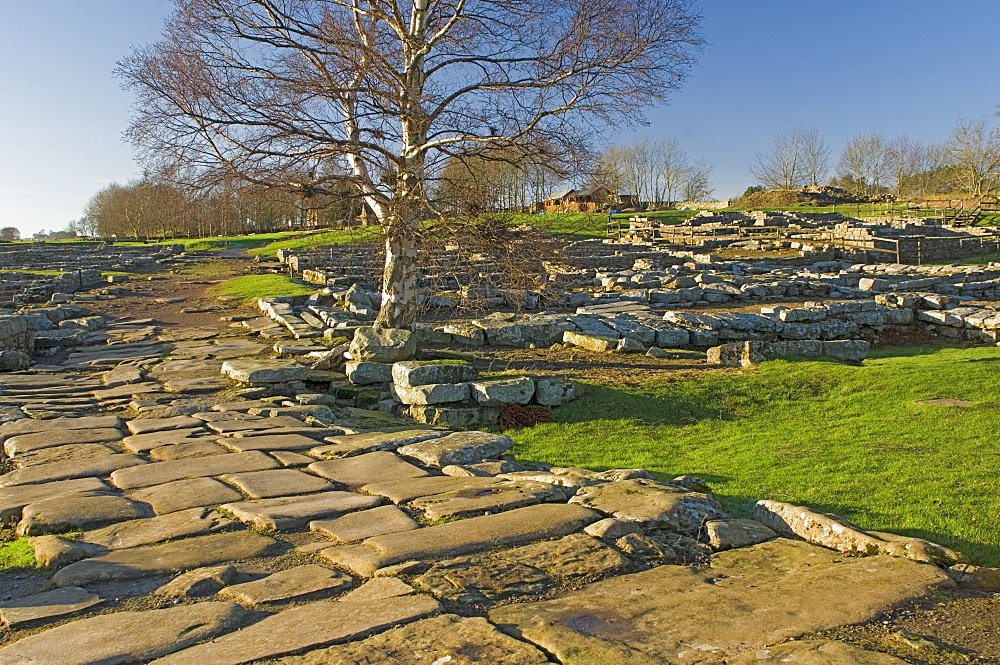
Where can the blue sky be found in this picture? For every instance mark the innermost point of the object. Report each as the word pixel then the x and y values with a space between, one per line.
pixel 892 66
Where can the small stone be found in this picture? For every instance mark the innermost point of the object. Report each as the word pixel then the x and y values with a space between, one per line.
pixel 290 584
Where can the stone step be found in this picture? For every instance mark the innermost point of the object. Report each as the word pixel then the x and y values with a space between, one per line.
pixel 515 527
pixel 166 558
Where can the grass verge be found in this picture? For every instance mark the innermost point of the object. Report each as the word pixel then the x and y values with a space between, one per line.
pixel 16 554
pixel 250 287
pixel 332 237
pixel 839 438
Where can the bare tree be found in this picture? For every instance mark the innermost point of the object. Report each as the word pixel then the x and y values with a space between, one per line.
pixel 794 159
pixel 656 170
pixel 390 89
pixel 865 165
pixel 972 156
pixel 696 185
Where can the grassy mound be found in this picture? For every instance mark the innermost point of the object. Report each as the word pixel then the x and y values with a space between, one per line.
pixel 842 439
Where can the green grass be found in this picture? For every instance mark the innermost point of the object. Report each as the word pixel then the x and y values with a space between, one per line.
pixel 332 237
pixel 250 287
pixel 17 554
pixel 839 438
pixel 971 261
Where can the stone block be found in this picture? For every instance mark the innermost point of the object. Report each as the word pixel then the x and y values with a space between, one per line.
pixel 367 373
pixel 440 393
pixel 493 392
pixel 412 373
pixel 382 345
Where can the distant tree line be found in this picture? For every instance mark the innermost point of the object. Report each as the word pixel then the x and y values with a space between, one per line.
pixel 874 165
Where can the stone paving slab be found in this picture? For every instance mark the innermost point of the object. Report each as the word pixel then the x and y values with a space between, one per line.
pixel 199 582
pixel 297 511
pixel 356 444
pixel 23 443
pixel 98 640
pixel 291 584
pixel 685 615
pixel 445 639
pixel 814 652
pixel 28 426
pixel 159 473
pixel 14 499
pixel 276 442
pixel 378 588
pixel 366 469
pixel 502 495
pixel 148 531
pixel 529 570
pixel 291 459
pixel 103 465
pixel 313 625
pixel 277 482
pixel 401 491
pixel 66 454
pixel 365 524
pixel 182 494
pixel 74 512
pixel 317 433
pixel 458 448
pixel 148 425
pixel 652 503
pixel 197 448
pixel 46 605
pixel 474 534
pixel 166 558
pixel 143 443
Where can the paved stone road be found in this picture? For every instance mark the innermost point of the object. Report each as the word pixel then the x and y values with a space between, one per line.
pixel 181 529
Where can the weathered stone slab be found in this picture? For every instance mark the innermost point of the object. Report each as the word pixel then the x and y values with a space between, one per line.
pixel 265 442
pixel 139 532
pixel 651 502
pixel 357 444
pixel 147 425
pixel 276 370
pixel 408 489
pixel 159 473
pixel 731 534
pixel 317 433
pixel 143 443
pixel 459 448
pixel 412 373
pixel 93 466
pixel 73 512
pixel 501 495
pixel 14 499
pixel 505 390
pixel 839 534
pixel 378 588
pixel 442 639
pixel 183 494
pixel 29 426
pixel 277 482
pixel 437 393
pixel 47 605
pixel 528 570
pixel 683 615
pixel 365 469
pixel 290 459
pixel 23 443
pixel 290 584
pixel 67 453
pixel 514 527
pixel 295 511
pixel 197 448
pixel 815 652
pixel 100 639
pixel 365 524
pixel 199 582
pixel 308 626
pixel 166 558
